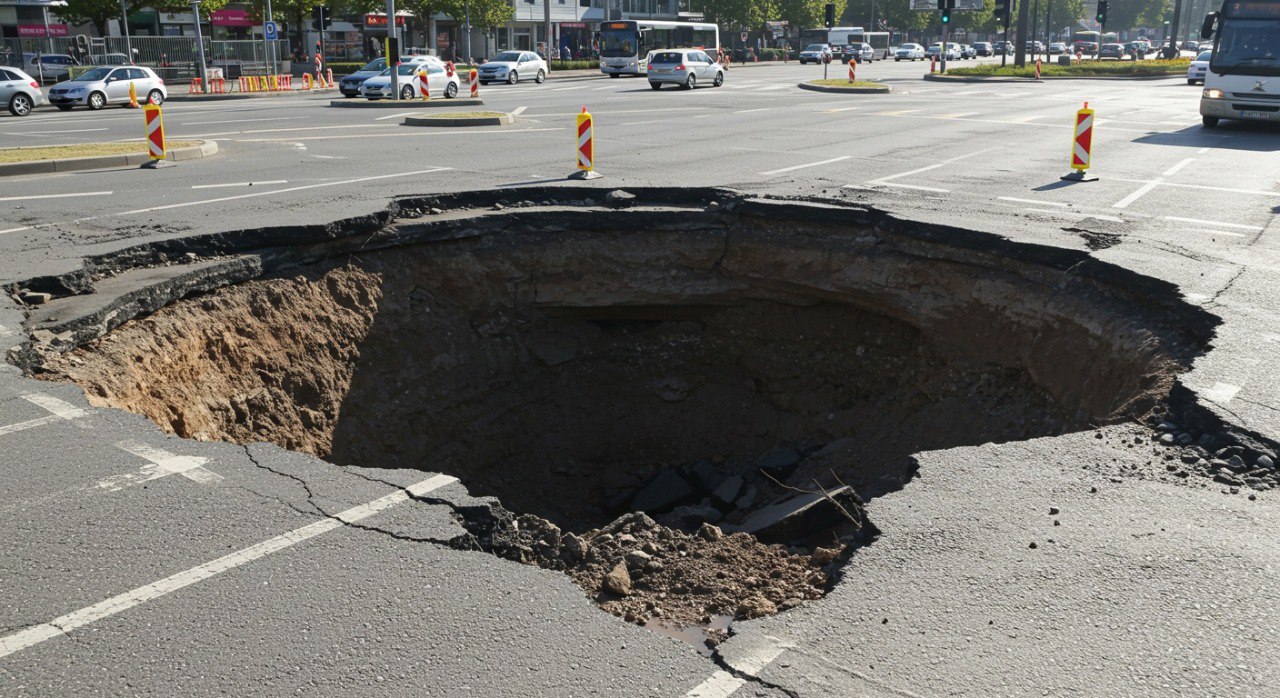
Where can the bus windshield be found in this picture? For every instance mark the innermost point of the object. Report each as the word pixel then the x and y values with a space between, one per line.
pixel 618 43
pixel 1250 46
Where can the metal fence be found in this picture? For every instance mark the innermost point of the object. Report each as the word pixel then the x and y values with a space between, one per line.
pixel 171 56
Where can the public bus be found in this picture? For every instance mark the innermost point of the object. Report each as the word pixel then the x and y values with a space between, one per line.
pixel 1243 79
pixel 835 36
pixel 880 42
pixel 625 45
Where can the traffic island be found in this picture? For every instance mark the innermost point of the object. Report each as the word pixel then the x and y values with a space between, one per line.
pixel 433 103
pixel 467 118
pixel 94 156
pixel 1077 70
pixel 844 86
pixel 680 398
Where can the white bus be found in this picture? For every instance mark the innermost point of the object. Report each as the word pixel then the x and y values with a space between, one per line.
pixel 880 42
pixel 1243 80
pixel 625 45
pixel 835 36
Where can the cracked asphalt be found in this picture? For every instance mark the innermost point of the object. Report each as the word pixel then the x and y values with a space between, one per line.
pixel 202 568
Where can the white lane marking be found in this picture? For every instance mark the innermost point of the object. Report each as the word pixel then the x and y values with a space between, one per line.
pixel 1030 201
pixel 329 157
pixel 239 184
pixel 917 187
pixel 770 88
pixel 748 111
pixel 117 604
pixel 1025 119
pixel 1256 192
pixel 1219 224
pixel 638 123
pixel 564 89
pixel 395 116
pixel 934 166
pixel 897 113
pixel 400 134
pixel 1141 192
pixel 287 130
pixel 518 111
pixel 1174 170
pixel 15 230
pixel 836 111
pixel 606 87
pixel 801 167
pixel 70 130
pixel 240 121
pixel 1220 232
pixel 1221 393
pixel 1202 151
pixel 721 684
pixel 160 464
pixel 56 196
pixel 958 115
pixel 58 409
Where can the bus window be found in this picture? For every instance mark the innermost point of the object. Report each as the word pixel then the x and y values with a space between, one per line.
pixel 618 43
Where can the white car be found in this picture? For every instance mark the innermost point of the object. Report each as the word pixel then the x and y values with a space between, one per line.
pixel 98 87
pixel 379 86
pixel 909 52
pixel 19 91
pixel 511 66
pixel 1198 68
pixel 815 53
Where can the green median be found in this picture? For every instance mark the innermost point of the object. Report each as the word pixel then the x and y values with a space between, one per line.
pixel 451 115
pixel 844 82
pixel 1084 68
pixel 81 150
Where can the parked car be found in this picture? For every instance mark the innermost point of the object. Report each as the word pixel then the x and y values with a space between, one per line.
pixel 48 67
pixel 1111 51
pixel 110 59
pixel 1205 46
pixel 1035 47
pixel 815 53
pixel 909 52
pixel 686 67
pixel 1196 71
pixel 1087 48
pixel 935 49
pixel 984 48
pixel 99 87
pixel 1003 47
pixel 862 53
pixel 511 65
pixel 968 51
pixel 19 91
pixel 379 86
pixel 1057 47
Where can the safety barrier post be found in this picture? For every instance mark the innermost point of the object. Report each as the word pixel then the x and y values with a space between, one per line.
pixel 194 87
pixel 1082 147
pixel 1037 68
pixel 155 137
pixel 424 86
pixel 306 81
pixel 586 148
pixel 329 76
pixel 852 72
pixel 475 83
pixel 933 64
pixel 133 95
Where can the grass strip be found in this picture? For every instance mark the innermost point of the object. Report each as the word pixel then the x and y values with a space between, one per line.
pixel 1085 68
pixel 844 82
pixel 82 150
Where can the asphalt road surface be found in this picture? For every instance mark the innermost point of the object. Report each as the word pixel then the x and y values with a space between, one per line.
pixel 205 568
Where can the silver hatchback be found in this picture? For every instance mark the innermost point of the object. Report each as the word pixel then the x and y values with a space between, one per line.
pixel 99 87
pixel 685 67
pixel 19 91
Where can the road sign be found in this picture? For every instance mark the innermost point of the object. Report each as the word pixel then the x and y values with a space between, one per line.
pixel 270 31
pixel 743 35
pixel 932 5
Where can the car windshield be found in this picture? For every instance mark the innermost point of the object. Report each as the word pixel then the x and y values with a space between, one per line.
pixel 1250 46
pixel 94 75
pixel 507 57
pixel 409 68
pixel 814 47
pixel 1204 56
pixel 379 64
pixel 618 43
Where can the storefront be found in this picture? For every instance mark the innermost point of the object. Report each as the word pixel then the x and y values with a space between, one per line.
pixel 575 40
pixel 232 24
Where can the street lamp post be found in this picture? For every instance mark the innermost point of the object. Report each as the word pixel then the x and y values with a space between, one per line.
pixel 466 37
pixel 124 23
pixel 195 11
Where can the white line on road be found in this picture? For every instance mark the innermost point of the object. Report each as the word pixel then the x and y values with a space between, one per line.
pixel 160 464
pixel 748 111
pixel 70 130
pixel 926 168
pixel 395 116
pixel 1221 393
pixel 836 111
pixel 1220 232
pixel 241 121
pixel 1230 190
pixel 1202 151
pixel 801 167
pixel 1025 119
pixel 59 410
pixel 722 684
pixel 56 196
pixel 149 592
pixel 1030 201
pixel 518 111
pixel 917 187
pixel 1219 224
pixel 1141 192
pixel 239 184
pixel 1174 170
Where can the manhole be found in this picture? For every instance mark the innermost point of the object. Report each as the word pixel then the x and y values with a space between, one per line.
pixel 744 371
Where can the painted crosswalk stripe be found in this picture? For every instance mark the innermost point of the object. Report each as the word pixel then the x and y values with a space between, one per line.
pixel 59 411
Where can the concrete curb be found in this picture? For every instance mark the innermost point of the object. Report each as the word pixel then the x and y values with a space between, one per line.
pixel 361 103
pixel 424 120
pixel 249 95
pixel 846 90
pixel 203 150
pixel 1045 78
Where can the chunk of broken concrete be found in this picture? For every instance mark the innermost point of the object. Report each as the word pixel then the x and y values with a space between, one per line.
pixel 689 517
pixel 803 515
pixel 617 581
pixel 664 492
pixel 728 491
pixel 780 462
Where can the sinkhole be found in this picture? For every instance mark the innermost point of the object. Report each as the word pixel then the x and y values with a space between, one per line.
pixel 745 371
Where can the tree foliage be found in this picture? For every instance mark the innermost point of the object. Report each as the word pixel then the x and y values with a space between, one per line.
pixel 95 12
pixel 733 15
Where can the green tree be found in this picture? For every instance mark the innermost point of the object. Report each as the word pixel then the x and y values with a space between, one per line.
pixel 809 14
pixel 94 12
pixel 733 15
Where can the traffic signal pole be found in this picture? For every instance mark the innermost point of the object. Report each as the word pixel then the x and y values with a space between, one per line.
pixel 1004 55
pixel 1020 43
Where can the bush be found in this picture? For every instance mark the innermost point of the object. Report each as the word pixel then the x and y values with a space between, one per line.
pixel 339 67
pixel 575 65
pixel 1085 67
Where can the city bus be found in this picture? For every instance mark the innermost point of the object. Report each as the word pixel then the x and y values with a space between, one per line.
pixel 835 36
pixel 1243 79
pixel 880 42
pixel 625 45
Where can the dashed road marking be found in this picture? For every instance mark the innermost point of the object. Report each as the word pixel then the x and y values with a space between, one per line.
pixel 722 684
pixel 1220 232
pixel 1219 224
pixel 801 167
pixel 160 464
pixel 56 196
pixel 1138 194
pixel 1174 170
pixel 239 184
pixel 748 111
pixel 1031 201
pixel 518 111
pixel 59 410
pixel 1221 393
pixel 63 625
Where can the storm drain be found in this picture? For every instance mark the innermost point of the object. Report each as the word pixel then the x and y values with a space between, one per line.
pixel 687 399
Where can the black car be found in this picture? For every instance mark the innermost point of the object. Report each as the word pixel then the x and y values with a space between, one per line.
pixel 1111 51
pixel 984 48
pixel 1005 47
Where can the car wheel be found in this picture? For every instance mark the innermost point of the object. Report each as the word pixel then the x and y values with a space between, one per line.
pixel 97 100
pixel 719 79
pixel 484 82
pixel 614 75
pixel 63 107
pixel 451 90
pixel 691 83
pixel 1209 121
pixel 897 60
pixel 656 85
pixel 512 78
pixel 541 78
pixel 155 97
pixel 407 92
pixel 20 105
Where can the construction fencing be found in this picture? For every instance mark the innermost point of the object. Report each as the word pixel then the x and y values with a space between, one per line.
pixel 173 57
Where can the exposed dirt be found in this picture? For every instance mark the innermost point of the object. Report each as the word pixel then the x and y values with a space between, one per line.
pixel 577 374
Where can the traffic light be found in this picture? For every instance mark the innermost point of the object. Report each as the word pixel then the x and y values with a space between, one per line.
pixel 1102 12
pixel 321 18
pixel 1001 10
pixel 830 14
pixel 946 16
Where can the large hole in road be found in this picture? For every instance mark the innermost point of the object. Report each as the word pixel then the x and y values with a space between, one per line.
pixel 745 373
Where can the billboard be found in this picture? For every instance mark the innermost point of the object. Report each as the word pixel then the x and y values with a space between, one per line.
pixel 932 5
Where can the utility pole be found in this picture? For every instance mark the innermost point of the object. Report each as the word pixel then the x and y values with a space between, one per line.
pixel 195 11
pixel 1048 29
pixel 546 24
pixel 124 24
pixel 393 62
pixel 1020 44
pixel 467 37
pixel 1174 48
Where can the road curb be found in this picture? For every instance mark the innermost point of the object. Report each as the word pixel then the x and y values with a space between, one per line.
pixel 846 90
pixel 98 162
pixel 231 96
pixel 1045 78
pixel 357 103
pixel 424 120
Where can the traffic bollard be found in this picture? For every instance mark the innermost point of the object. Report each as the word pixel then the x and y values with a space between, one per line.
pixel 424 85
pixel 155 137
pixel 475 83
pixel 586 148
pixel 1037 68
pixel 1082 147
pixel 852 74
pixel 933 64
pixel 133 95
